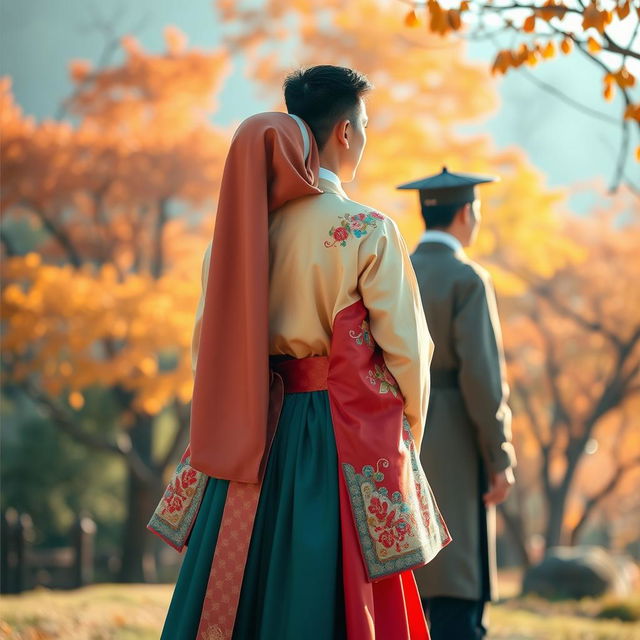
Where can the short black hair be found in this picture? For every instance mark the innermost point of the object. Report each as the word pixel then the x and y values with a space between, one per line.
pixel 440 216
pixel 322 95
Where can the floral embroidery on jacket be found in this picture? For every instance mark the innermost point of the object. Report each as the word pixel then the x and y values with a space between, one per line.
pixel 356 225
pixel 400 531
pixel 387 382
pixel 179 494
pixel 362 335
pixel 176 512
pixel 424 498
pixel 390 520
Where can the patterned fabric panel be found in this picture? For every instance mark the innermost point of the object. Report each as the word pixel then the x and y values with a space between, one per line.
pixel 396 532
pixel 397 523
pixel 177 510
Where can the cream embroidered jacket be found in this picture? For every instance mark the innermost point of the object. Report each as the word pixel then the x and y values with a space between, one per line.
pixel 327 252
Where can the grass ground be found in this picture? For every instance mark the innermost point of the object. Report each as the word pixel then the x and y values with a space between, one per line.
pixel 136 612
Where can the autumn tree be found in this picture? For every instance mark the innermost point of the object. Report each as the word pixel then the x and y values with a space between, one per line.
pixel 104 295
pixel 530 32
pixel 573 345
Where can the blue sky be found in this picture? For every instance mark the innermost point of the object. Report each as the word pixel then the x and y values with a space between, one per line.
pixel 40 37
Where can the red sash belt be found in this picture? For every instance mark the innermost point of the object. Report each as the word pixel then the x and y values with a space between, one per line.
pixel 303 375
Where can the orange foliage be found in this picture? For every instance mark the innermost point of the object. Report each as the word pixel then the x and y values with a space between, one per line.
pixel 559 22
pixel 574 356
pixel 108 296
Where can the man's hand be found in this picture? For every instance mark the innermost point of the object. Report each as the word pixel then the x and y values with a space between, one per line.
pixel 499 488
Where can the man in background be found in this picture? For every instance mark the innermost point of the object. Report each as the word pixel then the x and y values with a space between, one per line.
pixel 466 451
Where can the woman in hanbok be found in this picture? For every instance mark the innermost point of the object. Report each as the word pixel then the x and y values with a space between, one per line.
pixel 301 499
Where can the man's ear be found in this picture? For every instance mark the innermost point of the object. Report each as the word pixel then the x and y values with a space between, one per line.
pixel 344 131
pixel 463 214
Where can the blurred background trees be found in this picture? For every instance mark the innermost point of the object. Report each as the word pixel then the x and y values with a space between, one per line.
pixel 103 233
pixel 107 209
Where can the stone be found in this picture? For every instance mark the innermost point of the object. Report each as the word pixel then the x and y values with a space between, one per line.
pixel 577 572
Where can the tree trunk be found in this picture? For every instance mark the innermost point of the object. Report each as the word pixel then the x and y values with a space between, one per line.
pixel 556 504
pixel 515 528
pixel 138 560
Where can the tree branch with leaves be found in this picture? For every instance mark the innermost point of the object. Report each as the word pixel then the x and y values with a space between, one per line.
pixel 543 29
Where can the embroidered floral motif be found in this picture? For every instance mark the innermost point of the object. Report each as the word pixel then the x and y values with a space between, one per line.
pixel 177 510
pixel 178 495
pixel 423 499
pixel 382 376
pixel 387 522
pixel 356 225
pixel 396 532
pixel 390 521
pixel 363 335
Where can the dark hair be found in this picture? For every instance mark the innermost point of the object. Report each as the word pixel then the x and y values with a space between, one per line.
pixel 322 95
pixel 440 216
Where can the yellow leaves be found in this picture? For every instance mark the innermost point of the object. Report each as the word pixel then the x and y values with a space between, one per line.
pixel 632 112
pixel 623 10
pixel 638 153
pixel 79 70
pixel 551 9
pixel 411 19
pixel 175 40
pixel 608 90
pixel 566 46
pixel 549 50
pixel 441 20
pixel 131 46
pixel 502 62
pixel 158 97
pixel 521 55
pixel 529 25
pixel 593 17
pixel 525 54
pixel 12 295
pixel 65 369
pixel 438 21
pixel 455 21
pixel 593 46
pixel 185 391
pixel 624 78
pixel 152 405
pixel 76 400
pixel 148 366
pixel 87 327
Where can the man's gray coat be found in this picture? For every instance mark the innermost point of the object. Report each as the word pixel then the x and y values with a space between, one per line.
pixel 468 433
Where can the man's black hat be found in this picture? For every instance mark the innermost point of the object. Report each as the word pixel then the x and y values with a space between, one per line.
pixel 447 188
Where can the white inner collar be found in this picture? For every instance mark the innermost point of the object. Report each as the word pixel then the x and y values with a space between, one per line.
pixel 305 135
pixel 442 236
pixel 325 174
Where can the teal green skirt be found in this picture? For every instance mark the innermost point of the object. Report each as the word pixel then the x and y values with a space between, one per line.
pixel 292 586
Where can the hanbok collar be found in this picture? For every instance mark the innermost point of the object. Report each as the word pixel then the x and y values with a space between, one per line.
pixel 326 174
pixel 330 182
